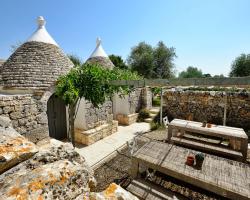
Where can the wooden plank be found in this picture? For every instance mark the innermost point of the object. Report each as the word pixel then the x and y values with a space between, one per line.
pixel 233 81
pixel 148 191
pixel 218 175
pixel 207 147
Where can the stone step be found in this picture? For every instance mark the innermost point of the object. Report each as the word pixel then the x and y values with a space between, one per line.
pixel 152 115
pixel 154 110
pixel 148 120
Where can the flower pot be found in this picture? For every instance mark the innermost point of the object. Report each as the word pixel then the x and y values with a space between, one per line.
pixel 190 160
pixel 209 125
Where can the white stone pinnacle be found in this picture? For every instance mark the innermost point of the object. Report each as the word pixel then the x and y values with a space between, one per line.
pixel 41 34
pixel 99 51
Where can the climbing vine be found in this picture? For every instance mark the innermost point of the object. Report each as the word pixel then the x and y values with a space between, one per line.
pixel 93 83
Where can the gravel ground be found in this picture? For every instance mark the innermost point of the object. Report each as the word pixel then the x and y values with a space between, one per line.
pixel 117 170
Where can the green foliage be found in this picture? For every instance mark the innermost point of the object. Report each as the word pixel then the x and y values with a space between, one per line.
pixel 156 91
pixel 191 72
pixel 156 101
pixel 141 59
pixel 156 125
pixel 219 76
pixel 241 66
pixel 163 61
pixel 206 75
pixel 75 59
pixel 152 62
pixel 143 114
pixel 118 61
pixel 93 83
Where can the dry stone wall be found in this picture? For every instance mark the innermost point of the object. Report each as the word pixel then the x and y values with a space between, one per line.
pixel 27 113
pixel 97 116
pixel 209 106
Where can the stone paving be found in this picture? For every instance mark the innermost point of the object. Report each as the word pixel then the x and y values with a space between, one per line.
pixel 105 148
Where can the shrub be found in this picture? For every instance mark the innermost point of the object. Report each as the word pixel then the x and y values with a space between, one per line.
pixel 143 114
pixel 156 101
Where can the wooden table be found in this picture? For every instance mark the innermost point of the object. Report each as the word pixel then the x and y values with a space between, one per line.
pixel 238 139
pixel 222 176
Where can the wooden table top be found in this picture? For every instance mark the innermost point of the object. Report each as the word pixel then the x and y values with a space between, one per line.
pixel 215 130
pixel 219 175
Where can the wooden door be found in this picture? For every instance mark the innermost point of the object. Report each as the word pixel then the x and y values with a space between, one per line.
pixel 56 111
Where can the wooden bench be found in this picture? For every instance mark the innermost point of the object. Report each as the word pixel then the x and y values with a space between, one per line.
pixel 148 191
pixel 237 138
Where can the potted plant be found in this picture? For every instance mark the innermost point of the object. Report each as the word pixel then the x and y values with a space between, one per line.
pixel 204 123
pixel 199 158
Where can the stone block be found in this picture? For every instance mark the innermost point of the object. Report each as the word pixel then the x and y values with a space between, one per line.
pixel 91 136
pixel 5 122
pixel 14 148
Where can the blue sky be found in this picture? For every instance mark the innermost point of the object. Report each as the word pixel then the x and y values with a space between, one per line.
pixel 207 34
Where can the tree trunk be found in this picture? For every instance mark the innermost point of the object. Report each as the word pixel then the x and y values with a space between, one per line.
pixel 72 109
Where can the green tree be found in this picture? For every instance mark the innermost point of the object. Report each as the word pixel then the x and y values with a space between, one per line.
pixel 163 61
pixel 75 59
pixel 191 72
pixel 92 83
pixel 240 66
pixel 152 62
pixel 207 75
pixel 118 61
pixel 141 59
pixel 219 76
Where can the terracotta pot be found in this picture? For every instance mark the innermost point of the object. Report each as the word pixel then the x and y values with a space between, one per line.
pixel 190 160
pixel 209 125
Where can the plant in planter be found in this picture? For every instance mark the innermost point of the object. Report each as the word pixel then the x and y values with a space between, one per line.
pixel 199 158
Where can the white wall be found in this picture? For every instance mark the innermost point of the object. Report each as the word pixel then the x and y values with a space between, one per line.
pixel 80 121
pixel 120 105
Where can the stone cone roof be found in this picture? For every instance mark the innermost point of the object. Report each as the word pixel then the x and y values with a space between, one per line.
pixel 36 64
pixel 100 57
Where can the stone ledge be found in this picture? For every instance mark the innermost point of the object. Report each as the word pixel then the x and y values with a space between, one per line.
pixel 91 136
pixel 127 119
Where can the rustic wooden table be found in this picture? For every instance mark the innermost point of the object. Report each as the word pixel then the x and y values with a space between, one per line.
pixel 222 176
pixel 238 139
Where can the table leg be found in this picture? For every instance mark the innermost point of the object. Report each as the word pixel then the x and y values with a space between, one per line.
pixel 169 133
pixel 134 168
pixel 244 146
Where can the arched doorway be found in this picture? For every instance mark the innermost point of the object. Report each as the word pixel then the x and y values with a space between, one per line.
pixel 56 111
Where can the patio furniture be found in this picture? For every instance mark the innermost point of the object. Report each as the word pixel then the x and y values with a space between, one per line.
pixel 222 176
pixel 209 139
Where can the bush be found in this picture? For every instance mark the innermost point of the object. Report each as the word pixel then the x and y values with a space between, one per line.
pixel 156 101
pixel 143 114
pixel 154 125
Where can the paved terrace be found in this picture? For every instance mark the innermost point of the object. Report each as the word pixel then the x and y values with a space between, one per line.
pixel 105 149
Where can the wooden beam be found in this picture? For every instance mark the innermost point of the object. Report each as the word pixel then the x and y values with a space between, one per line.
pixel 233 81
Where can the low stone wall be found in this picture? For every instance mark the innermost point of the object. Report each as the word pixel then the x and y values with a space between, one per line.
pixel 127 119
pixel 28 115
pixel 208 106
pixel 91 136
pixel 93 116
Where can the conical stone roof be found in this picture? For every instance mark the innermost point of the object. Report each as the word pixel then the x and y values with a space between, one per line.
pixel 100 57
pixel 36 64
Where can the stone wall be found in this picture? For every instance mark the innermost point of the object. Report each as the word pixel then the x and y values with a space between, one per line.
pixel 27 113
pixel 147 98
pixel 135 100
pixel 95 116
pixel 208 106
